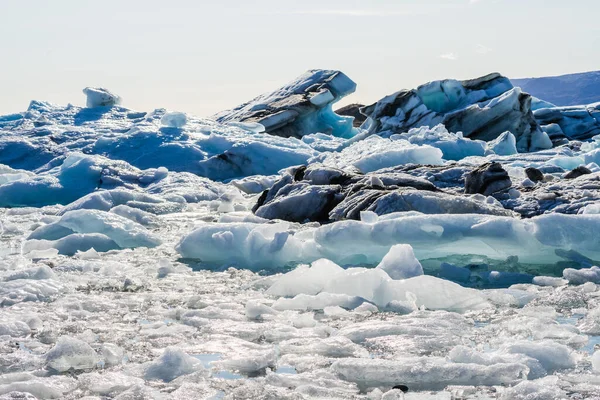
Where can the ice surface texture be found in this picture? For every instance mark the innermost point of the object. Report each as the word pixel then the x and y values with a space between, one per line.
pixel 133 267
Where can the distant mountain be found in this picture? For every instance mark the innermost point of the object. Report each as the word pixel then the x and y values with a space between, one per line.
pixel 565 90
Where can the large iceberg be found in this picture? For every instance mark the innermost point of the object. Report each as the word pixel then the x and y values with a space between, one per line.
pixel 301 107
pixel 481 108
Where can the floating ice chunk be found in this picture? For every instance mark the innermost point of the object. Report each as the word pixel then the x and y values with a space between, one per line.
pixel 552 356
pixel 452 145
pixel 100 97
pixel 581 276
pixel 37 273
pixel 30 390
pixel 335 312
pixel 41 253
pixel 17 329
pixel 306 320
pixel 134 214
pixel 112 354
pixel 70 244
pixel 360 282
pixel 21 290
pixel 549 281
pixel 250 363
pixel 174 119
pixel 540 389
pixel 249 244
pixel 348 242
pixel 596 361
pixel 368 217
pixel 306 280
pixel 124 232
pixel 70 353
pixel 108 383
pixel 334 347
pixel 463 354
pixel 90 254
pixel 425 373
pixel 431 293
pixel 304 302
pixel 504 145
pixel 165 267
pixel 255 310
pixel 110 199
pixel 400 262
pixel 172 364
pixel 375 153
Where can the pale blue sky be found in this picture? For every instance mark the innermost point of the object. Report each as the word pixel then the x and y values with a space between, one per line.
pixel 204 56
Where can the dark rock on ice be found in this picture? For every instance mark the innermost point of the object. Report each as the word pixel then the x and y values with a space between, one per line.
pixel 487 179
pixel 577 172
pixel 534 174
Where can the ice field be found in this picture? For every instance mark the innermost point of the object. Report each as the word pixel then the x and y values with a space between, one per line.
pixel 446 248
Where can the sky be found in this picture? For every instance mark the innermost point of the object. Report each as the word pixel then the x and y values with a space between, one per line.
pixel 202 57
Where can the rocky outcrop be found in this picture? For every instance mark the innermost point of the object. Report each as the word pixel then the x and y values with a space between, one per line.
pixel 301 107
pixel 482 108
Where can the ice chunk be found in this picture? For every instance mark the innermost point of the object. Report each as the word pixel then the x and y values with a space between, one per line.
pixel 360 282
pixel 596 361
pixel 452 145
pixel 432 293
pixel 400 262
pixel 301 107
pixel 375 153
pixel 112 354
pixel 250 363
pixel 172 364
pixel 255 310
pixel 504 145
pixel 70 353
pixel 304 302
pixel 549 281
pixel 541 389
pixel 425 373
pixel 41 272
pixel 246 243
pixel 306 280
pixel 551 355
pixel 581 276
pixel 108 383
pixel 123 232
pixel 100 97
pixel 174 119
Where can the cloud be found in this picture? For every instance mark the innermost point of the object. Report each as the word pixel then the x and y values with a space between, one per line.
pixel 450 56
pixel 482 49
